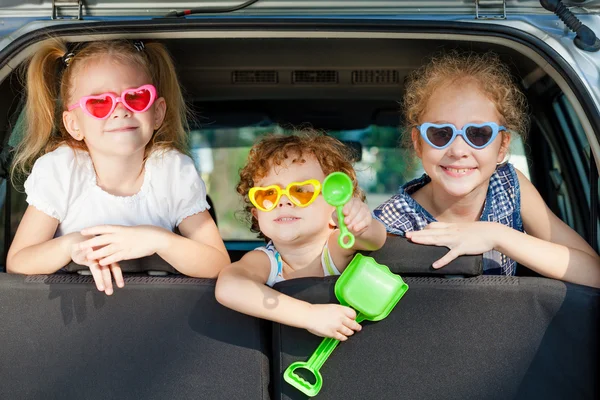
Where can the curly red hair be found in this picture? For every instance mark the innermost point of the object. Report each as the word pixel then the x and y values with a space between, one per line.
pixel 273 150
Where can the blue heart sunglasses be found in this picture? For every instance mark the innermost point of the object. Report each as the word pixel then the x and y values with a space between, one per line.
pixel 478 136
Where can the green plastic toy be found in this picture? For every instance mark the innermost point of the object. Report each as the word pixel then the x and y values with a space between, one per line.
pixel 368 287
pixel 337 191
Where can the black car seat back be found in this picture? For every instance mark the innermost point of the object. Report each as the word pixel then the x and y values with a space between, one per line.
pixel 156 338
pixel 488 337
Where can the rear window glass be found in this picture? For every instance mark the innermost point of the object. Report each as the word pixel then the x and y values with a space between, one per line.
pixel 220 154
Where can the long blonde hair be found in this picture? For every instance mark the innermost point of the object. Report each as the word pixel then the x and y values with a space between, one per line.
pixel 49 86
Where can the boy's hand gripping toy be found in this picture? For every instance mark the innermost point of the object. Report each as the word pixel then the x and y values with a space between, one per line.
pixel 368 287
pixel 337 191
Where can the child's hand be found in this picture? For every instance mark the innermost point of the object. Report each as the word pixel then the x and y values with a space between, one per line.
pixel 461 238
pixel 357 216
pixel 114 243
pixel 101 274
pixel 333 320
pixel 103 279
pixel 79 256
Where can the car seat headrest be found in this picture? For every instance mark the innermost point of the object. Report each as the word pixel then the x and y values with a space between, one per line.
pixel 407 258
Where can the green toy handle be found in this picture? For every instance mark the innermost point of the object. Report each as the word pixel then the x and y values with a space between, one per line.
pixel 313 365
pixel 344 232
pixel 309 389
pixel 322 353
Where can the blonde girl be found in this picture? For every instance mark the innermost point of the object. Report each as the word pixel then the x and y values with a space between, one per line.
pixel 108 175
pixel 461 110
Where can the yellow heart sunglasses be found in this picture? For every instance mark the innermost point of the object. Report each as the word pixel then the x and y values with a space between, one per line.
pixel 301 194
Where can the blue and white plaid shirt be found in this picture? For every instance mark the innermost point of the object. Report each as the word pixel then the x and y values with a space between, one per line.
pixel 401 213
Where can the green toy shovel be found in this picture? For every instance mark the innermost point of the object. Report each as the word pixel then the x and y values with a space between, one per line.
pixel 368 287
pixel 337 191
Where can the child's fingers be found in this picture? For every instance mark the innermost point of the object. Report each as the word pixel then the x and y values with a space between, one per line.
pixel 340 337
pixel 437 239
pixel 107 280
pixel 359 227
pixel 361 222
pixel 96 241
pixel 97 275
pixel 348 206
pixel 349 312
pixel 344 330
pixel 102 253
pixel 353 325
pixel 360 214
pixel 117 274
pixel 351 208
pixel 350 217
pixel 451 255
pixel 113 258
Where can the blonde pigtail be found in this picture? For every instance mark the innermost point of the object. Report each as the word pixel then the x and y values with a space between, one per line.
pixel 40 123
pixel 173 133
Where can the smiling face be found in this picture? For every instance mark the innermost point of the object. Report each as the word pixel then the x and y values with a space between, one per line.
pixel 287 222
pixel 124 132
pixel 459 169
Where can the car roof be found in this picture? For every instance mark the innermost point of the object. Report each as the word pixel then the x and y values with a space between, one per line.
pixel 156 8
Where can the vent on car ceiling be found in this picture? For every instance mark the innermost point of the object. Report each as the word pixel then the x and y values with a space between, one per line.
pixel 315 76
pixel 254 76
pixel 374 77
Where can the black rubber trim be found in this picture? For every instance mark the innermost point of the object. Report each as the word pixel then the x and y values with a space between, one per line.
pixel 321 24
pixel 7 222
pixel 559 144
pixel 489 280
pixel 129 280
pixel 594 203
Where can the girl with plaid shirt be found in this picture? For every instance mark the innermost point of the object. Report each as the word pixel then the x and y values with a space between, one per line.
pixel 461 110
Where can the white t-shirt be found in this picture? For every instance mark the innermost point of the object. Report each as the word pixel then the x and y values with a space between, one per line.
pixel 63 185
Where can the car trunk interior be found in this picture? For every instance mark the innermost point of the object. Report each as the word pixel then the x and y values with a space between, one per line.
pixel 335 82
